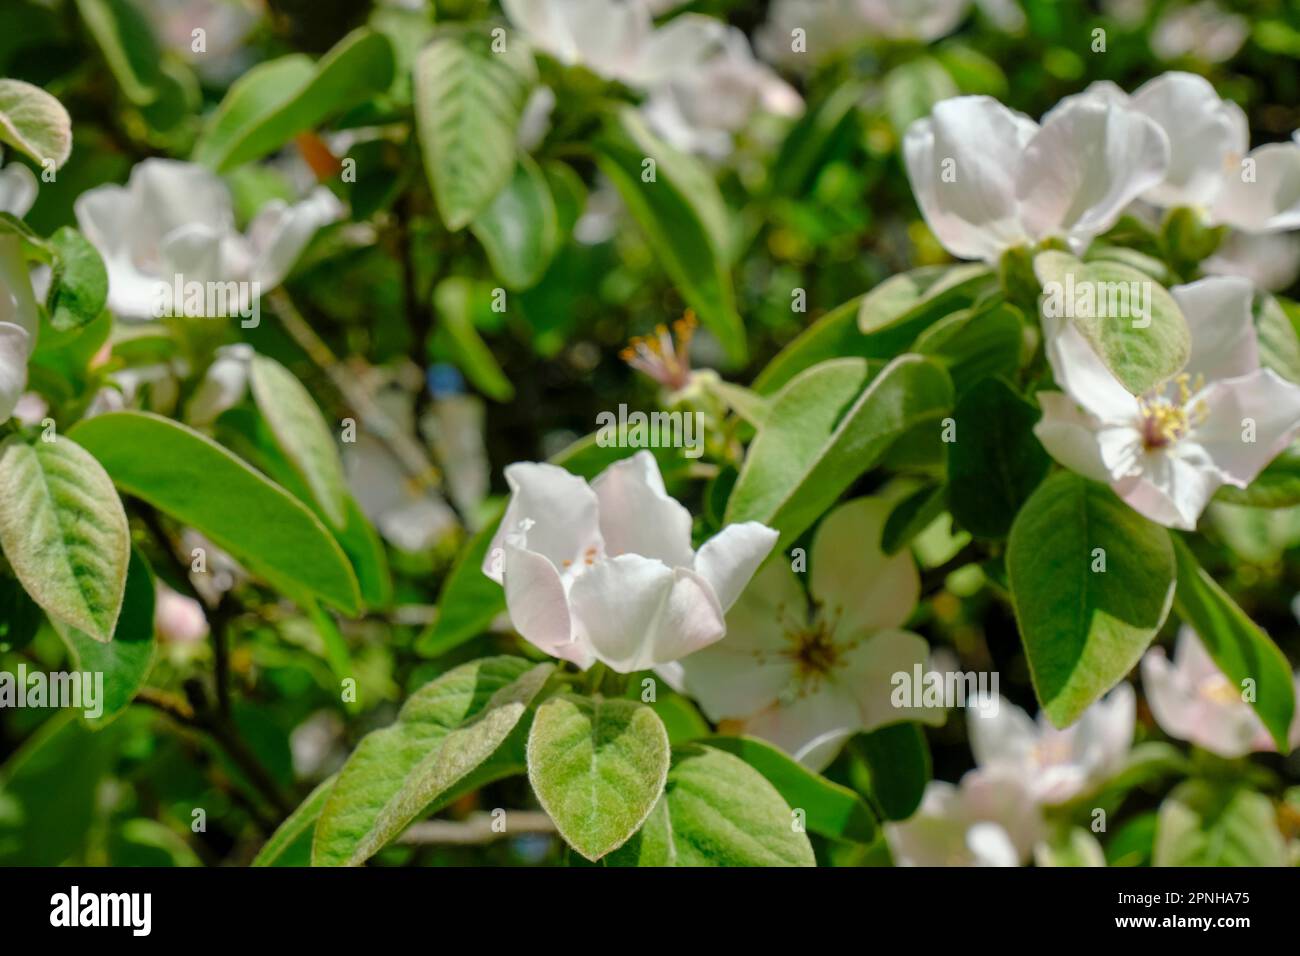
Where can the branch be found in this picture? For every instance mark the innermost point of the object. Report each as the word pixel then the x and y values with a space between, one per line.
pixel 477 829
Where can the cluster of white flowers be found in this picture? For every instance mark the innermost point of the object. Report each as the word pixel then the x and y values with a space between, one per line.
pixel 19 316
pixel 699 76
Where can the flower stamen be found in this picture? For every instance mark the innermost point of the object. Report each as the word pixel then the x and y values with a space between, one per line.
pixel 665 355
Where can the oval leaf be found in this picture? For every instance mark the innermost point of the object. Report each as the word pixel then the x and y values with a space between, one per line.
pixel 597 767
pixel 468 102
pixel 444 731
pixel 519 229
pixel 1092 581
pixel 301 433
pixel 201 484
pixel 34 123
pixel 63 529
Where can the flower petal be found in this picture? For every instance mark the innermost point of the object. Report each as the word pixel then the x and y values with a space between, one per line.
pixel 1204 135
pixel 859 588
pixel 1248 421
pixel 1172 486
pixel 868 677
pixel 1083 375
pixel 17 189
pixel 17 300
pixel 1218 313
pixel 538 607
pixel 1005 734
pixel 812 727
pixel 280 232
pixel 1091 158
pixel 556 511
pixel 15 345
pixel 1270 201
pixel 1070 436
pixel 962 162
pixel 637 516
pixel 729 559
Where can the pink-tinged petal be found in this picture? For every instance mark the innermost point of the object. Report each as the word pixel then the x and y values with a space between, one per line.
pixel 1090 159
pixel 637 516
pixel 557 513
pixel 636 613
pixel 1005 735
pixel 868 672
pixel 962 162
pixel 1261 399
pixel 1270 261
pixel 1268 202
pixel 1103 736
pixel 1204 136
pixel 859 588
pixel 1005 798
pixel 1170 490
pixel 729 559
pixel 811 727
pixel 936 834
pixel 15 344
pixel 538 607
pixel 1070 436
pixel 1218 313
pixel 1191 706
pixel 1083 376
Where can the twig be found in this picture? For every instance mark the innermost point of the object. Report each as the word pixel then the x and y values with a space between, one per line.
pixel 478 829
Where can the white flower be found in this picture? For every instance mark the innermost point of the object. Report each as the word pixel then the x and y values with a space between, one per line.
pixel 829 27
pixel 1269 260
pixel 1193 700
pixel 1166 453
pixel 605 571
pixel 179 618
pixel 223 385
pixel 19 323
pixel 174 218
pixel 17 189
pixel 699 106
pixel 808 677
pixel 991 819
pixel 1056 765
pixel 913 19
pixel 410 515
pixel 606 36
pixel 1211 167
pixel 988 178
pixel 1202 29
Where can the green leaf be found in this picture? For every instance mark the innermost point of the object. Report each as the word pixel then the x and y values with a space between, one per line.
pixel 20 616
pixel 128 44
pixel 78 281
pixel 832 811
pixel 1236 644
pixel 277 100
pixel 808 452
pixel 519 230
pixel 201 484
pixel 301 434
pixel 1277 486
pixel 1084 629
pixel 597 767
pixel 468 101
pixel 912 89
pixel 1279 344
pixel 34 123
pixel 897 761
pixel 444 731
pixel 812 139
pixel 911 301
pixel 1213 824
pixel 717 811
pixel 290 844
pixel 834 335
pixel 1069 846
pixel 63 530
pixel 996 462
pixel 453 301
pixel 684 218
pixel 1141 351
pixel 913 515
pixel 975 344
pixel 126 660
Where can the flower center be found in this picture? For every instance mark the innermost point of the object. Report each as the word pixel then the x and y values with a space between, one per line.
pixel 1165 421
pixel 813 652
pixel 1219 690
pixel 664 356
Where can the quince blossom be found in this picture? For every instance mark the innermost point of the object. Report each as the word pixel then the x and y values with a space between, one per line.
pixel 1193 700
pixel 175 218
pixel 988 178
pixel 605 571
pixel 1167 452
pixel 990 819
pixel 807 677
pixel 19 315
